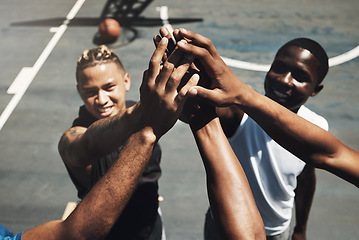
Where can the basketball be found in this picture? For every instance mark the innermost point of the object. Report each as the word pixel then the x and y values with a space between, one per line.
pixel 109 30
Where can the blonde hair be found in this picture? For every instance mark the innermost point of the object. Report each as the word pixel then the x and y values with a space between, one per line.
pixel 97 56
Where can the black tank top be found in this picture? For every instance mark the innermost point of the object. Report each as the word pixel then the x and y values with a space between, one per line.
pixel 141 210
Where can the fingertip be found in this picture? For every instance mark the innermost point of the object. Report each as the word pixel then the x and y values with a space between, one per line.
pixel 182 43
pixel 195 77
pixel 193 91
pixel 177 35
pixel 164 40
pixel 156 39
pixel 163 31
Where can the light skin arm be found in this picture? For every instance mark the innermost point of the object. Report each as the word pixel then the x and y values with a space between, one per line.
pixel 157 111
pixel 302 138
pixel 80 146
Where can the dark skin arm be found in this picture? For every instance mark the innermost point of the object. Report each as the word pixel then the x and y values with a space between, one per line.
pixel 230 118
pixel 80 147
pixel 157 111
pixel 95 215
pixel 234 209
pixel 302 138
pixel 304 195
pixel 231 200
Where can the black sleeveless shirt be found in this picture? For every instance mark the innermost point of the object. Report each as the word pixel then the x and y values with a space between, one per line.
pixel 141 211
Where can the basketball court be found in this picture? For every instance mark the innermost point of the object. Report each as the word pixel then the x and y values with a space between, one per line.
pixel 40 42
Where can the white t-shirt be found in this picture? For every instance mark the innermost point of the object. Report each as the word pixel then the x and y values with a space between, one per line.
pixel 271 170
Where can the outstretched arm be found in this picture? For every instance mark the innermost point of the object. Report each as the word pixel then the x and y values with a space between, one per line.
pixel 95 215
pixel 79 146
pixel 231 200
pixel 304 139
pixel 157 111
pixel 233 207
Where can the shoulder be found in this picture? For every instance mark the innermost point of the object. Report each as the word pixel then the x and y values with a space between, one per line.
pixel 70 136
pixel 230 118
pixel 313 117
pixel 74 132
pixel 248 130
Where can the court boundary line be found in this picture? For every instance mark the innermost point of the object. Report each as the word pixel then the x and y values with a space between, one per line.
pixel 333 61
pixel 27 74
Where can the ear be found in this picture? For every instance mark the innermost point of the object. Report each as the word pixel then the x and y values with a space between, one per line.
pixel 317 89
pixel 127 80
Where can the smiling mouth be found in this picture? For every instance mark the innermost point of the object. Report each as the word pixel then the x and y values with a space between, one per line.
pixel 280 95
pixel 105 110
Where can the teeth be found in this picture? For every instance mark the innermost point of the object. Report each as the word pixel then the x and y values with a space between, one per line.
pixel 104 110
pixel 279 94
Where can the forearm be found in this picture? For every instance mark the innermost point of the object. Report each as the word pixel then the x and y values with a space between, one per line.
pixel 145 123
pixel 95 215
pixel 230 197
pixel 110 195
pixel 302 138
pixel 304 195
pixel 106 135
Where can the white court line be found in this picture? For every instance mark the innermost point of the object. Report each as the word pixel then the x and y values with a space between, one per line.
pixel 246 65
pixel 334 61
pixel 27 74
pixel 345 57
pixel 164 17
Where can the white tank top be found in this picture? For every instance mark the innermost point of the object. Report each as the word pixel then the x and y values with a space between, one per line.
pixel 271 170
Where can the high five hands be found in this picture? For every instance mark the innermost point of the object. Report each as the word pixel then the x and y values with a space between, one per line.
pixel 160 84
pixel 217 85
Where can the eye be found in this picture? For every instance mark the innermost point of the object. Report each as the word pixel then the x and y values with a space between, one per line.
pixel 279 68
pixel 300 76
pixel 109 87
pixel 90 93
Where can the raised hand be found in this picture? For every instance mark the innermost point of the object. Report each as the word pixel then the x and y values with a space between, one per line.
pixel 222 86
pixel 164 33
pixel 161 103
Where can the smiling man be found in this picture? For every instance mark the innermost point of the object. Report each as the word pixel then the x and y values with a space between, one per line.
pixel 102 84
pixel 296 74
pixel 278 179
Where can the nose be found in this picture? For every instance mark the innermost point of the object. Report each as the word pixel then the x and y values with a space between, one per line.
pixel 102 98
pixel 286 79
